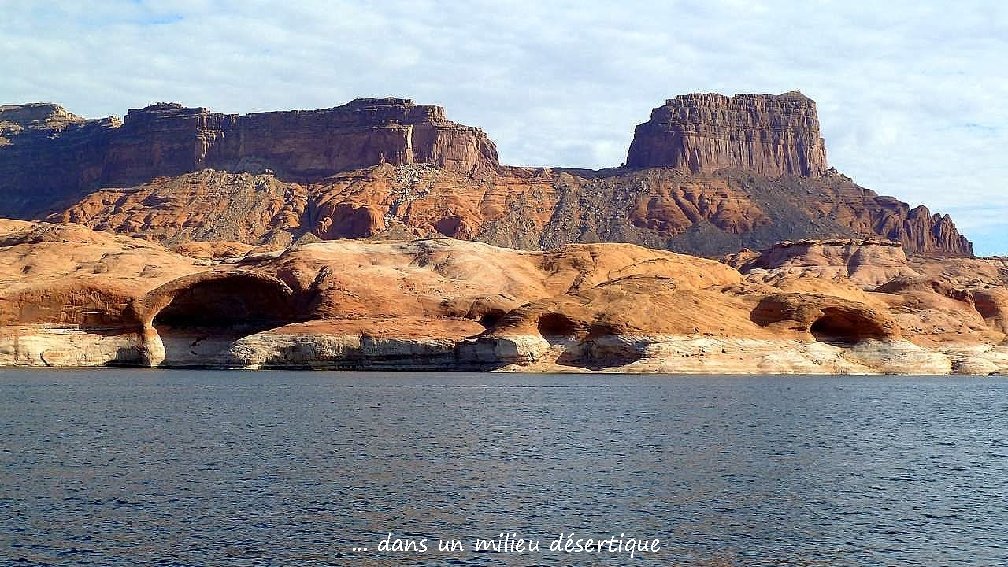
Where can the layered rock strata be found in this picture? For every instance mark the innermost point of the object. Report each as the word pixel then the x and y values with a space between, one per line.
pixel 49 156
pixel 708 175
pixel 770 135
pixel 73 297
pixel 709 215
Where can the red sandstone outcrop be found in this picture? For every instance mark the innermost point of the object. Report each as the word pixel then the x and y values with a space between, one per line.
pixel 207 206
pixel 868 263
pixel 722 174
pixel 68 275
pixel 51 154
pixel 766 134
pixel 520 208
pixel 364 132
pixel 992 305
pixel 70 296
pixel 828 318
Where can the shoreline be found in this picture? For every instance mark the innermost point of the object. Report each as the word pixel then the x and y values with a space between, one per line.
pixel 42 346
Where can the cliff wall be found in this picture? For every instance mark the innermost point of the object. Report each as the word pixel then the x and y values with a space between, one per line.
pixel 707 175
pixel 766 134
pixel 50 159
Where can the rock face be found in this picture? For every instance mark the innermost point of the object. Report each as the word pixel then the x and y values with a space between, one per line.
pixel 708 175
pixel 766 134
pixel 207 206
pixel 868 263
pixel 829 319
pixel 925 233
pixel 70 296
pixel 443 304
pixel 704 214
pixel 49 156
pixel 16 118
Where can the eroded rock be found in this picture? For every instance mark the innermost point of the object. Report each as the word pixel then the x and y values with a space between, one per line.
pixel 708 175
pixel 767 134
pixel 167 140
pixel 103 299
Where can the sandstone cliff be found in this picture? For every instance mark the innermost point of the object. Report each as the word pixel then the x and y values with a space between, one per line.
pixel 708 175
pixel 766 134
pixel 92 298
pixel 49 157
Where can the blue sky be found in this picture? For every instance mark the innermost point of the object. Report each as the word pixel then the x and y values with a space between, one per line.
pixel 913 96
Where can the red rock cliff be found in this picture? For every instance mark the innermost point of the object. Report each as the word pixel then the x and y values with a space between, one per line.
pixel 368 131
pixel 49 157
pixel 395 169
pixel 767 134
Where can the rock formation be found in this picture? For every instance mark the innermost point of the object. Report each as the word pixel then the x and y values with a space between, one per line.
pixel 708 175
pixel 70 296
pixel 867 263
pixel 16 118
pixel 706 214
pixel 224 241
pixel 50 156
pixel 766 134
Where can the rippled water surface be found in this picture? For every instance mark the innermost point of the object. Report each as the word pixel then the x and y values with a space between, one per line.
pixel 275 468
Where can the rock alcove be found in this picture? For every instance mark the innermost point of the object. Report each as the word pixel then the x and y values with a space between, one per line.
pixel 837 325
pixel 196 319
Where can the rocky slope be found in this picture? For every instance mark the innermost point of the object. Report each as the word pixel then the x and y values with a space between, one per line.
pixel 70 296
pixel 707 175
pixel 706 214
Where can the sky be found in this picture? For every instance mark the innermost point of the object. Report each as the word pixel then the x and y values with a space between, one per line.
pixel 912 95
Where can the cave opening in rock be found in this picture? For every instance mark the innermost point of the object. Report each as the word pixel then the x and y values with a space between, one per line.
pixel 845 327
pixel 242 303
pixel 491 317
pixel 556 325
pixel 605 347
pixel 202 319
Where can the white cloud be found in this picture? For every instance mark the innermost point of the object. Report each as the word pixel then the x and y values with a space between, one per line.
pixel 912 96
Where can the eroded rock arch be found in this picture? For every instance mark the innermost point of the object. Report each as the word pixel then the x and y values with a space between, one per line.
pixel 192 321
pixel 827 319
pixel 849 326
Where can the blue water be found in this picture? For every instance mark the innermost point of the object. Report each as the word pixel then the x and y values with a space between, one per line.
pixel 127 467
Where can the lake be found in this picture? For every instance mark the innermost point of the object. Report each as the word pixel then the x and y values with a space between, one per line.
pixel 126 467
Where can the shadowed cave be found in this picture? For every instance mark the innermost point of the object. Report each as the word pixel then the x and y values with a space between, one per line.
pixel 240 303
pixel 492 317
pixel 203 319
pixel 845 327
pixel 556 325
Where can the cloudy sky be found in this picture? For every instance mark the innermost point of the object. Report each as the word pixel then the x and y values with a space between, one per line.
pixel 913 96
